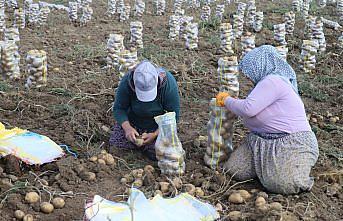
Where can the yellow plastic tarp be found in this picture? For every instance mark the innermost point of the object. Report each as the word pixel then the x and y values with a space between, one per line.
pixel 32 148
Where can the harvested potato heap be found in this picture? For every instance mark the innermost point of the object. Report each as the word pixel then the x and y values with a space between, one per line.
pixel 73 9
pixel 318 34
pixel 241 8
pixel 177 6
pixel 309 21
pixel 258 23
pixel 193 4
pixel 340 40
pixel 2 4
pixel 115 45
pixel 27 4
pixel 43 15
pixel 305 8
pixel 283 51
pixel 103 158
pixel 220 125
pixel 174 27
pixel 331 24
pixel 308 55
pixel 192 36
pixel 297 5
pixel 205 13
pixel 169 151
pixel 125 13
pixel 289 20
pixel 12 4
pixel 19 18
pixel 340 9
pixel 220 9
pixel 184 22
pixel 251 14
pixel 136 29
pixel 86 16
pixel 121 6
pixel 161 7
pixel 280 34
pixel 238 25
pixel 179 12
pixel 128 60
pixel 322 3
pixel 10 59
pixel 33 14
pixel 36 68
pixel 226 38
pixel 2 20
pixel 111 7
pixel 238 20
pixel 12 34
pixel 139 8
pixel 45 207
pixel 247 43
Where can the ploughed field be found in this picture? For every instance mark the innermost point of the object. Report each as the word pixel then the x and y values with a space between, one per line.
pixel 75 109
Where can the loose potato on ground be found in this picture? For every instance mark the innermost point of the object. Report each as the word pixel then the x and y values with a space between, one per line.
pixel 164 186
pixel 235 215
pixel 32 197
pixel 245 194
pixel 260 201
pixel 199 192
pixel 190 189
pixel 58 203
pixel 28 217
pixel 88 176
pixel 236 198
pixel 275 206
pixel 149 168
pixel 19 215
pixel 46 207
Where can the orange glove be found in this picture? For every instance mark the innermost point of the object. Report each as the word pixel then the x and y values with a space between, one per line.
pixel 220 98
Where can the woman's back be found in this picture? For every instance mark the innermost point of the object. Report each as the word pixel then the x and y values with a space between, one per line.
pixel 272 107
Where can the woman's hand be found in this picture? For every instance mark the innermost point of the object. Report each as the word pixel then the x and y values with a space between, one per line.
pixel 149 137
pixel 220 98
pixel 130 132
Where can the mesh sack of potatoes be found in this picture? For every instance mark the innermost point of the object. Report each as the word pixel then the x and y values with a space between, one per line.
pixel 169 151
pixel 216 151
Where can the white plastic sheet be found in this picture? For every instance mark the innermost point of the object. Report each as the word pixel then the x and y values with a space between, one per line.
pixel 180 208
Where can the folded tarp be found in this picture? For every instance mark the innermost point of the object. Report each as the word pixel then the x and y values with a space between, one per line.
pixel 180 208
pixel 32 148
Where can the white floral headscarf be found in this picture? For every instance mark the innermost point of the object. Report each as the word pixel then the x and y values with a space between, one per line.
pixel 266 60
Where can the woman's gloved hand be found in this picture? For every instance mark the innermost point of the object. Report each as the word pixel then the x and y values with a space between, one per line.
pixel 220 98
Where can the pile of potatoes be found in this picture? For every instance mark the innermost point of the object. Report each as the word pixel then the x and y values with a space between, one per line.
pixel 176 185
pixel 318 118
pixel 148 178
pixel 103 158
pixel 45 207
pixel 139 177
pixel 262 208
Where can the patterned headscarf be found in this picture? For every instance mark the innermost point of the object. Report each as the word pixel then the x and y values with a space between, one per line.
pixel 266 60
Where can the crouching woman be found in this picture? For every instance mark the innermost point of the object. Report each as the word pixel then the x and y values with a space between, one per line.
pixel 143 93
pixel 281 148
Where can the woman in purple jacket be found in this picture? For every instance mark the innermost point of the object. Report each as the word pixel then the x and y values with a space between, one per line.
pixel 281 148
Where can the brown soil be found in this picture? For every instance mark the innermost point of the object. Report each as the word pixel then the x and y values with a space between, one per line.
pixel 76 105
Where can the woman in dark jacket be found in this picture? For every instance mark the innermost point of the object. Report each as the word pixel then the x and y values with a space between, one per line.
pixel 143 93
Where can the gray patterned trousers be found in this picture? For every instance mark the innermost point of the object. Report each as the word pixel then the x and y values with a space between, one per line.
pixel 282 165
